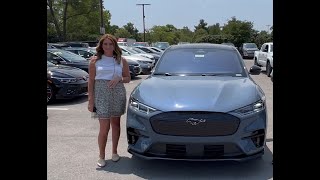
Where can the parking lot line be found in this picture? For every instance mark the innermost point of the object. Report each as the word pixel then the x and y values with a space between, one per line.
pixel 59 109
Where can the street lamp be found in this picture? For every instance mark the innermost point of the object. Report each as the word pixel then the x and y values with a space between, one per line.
pixel 144 29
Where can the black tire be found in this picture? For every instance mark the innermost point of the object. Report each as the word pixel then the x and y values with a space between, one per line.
pixel 255 61
pixel 50 93
pixel 268 69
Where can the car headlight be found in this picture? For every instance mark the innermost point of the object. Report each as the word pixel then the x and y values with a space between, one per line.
pixel 252 108
pixel 136 105
pixel 66 80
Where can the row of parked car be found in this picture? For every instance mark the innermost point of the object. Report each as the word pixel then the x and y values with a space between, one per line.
pixel 141 60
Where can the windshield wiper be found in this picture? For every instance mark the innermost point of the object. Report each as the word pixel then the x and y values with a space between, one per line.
pixel 208 74
pixel 166 74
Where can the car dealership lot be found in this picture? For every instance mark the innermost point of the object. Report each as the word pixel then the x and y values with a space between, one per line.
pixel 72 149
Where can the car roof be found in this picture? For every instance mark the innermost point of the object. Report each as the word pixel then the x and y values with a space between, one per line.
pixel 76 48
pixel 202 45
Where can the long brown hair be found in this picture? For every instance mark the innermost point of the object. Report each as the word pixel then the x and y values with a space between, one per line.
pixel 117 50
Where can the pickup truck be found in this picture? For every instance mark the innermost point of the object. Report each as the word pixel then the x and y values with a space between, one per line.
pixel 264 57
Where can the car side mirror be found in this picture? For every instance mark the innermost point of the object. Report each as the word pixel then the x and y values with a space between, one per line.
pixel 255 70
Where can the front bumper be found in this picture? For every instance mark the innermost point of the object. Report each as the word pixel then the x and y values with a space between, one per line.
pixel 68 91
pixel 245 143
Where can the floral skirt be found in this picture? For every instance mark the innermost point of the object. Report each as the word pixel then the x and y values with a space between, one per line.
pixel 109 102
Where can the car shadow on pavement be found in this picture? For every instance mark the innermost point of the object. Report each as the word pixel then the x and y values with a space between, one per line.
pixel 136 78
pixel 260 168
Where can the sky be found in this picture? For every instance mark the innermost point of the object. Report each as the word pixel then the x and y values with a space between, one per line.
pixel 188 13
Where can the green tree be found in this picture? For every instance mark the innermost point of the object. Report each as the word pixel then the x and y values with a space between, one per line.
pixel 238 31
pixel 262 37
pixel 185 34
pixel 74 19
pixel 201 25
pixel 199 34
pixel 112 29
pixel 122 33
pixel 132 30
pixel 163 33
pixel 214 29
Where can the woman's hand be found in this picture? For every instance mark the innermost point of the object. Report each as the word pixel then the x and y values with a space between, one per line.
pixel 114 82
pixel 90 107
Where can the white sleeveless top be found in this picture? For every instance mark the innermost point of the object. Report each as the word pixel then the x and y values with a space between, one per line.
pixel 107 68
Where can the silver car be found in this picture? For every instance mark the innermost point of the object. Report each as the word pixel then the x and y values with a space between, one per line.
pixel 200 103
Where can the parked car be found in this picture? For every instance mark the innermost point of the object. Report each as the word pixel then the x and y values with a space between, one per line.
pixel 162 45
pixel 140 44
pixel 76 44
pixel 156 56
pixel 129 50
pixel 83 52
pixel 247 50
pixel 63 57
pixel 134 68
pixel 146 64
pixel 57 45
pixel 200 103
pixel 65 82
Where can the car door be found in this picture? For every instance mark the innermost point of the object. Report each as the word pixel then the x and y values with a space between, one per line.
pixel 261 55
pixel 265 54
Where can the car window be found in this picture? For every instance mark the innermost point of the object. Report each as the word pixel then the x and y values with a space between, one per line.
pixel 69 56
pixel 146 50
pixel 271 48
pixel 50 56
pixel 85 54
pixel 250 45
pixel 185 61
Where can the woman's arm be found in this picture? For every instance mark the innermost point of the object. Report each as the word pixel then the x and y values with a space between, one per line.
pixel 126 78
pixel 92 75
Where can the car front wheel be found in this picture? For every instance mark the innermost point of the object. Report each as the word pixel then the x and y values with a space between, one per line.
pixel 50 94
pixel 268 69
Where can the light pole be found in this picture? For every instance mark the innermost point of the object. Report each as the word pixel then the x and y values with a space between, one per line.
pixel 144 29
pixel 102 30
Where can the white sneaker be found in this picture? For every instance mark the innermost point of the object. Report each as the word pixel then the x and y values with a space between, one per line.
pixel 115 157
pixel 101 162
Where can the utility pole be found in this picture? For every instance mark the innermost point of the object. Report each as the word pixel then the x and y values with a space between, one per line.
pixel 144 29
pixel 102 29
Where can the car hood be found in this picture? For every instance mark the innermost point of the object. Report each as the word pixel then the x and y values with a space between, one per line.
pixel 66 71
pixel 196 93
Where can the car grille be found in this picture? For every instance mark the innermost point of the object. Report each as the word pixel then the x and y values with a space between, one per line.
pixel 194 123
pixel 187 150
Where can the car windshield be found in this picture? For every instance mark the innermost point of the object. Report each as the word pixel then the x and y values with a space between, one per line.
pixel 138 50
pixel 132 51
pixel 50 64
pixel 200 61
pixel 250 45
pixel 69 55
pixel 162 45
pixel 125 53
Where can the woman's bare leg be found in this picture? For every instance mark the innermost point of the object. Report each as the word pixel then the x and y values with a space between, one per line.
pixel 103 136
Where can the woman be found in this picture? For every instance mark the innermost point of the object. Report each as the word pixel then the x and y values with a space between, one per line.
pixel 106 92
